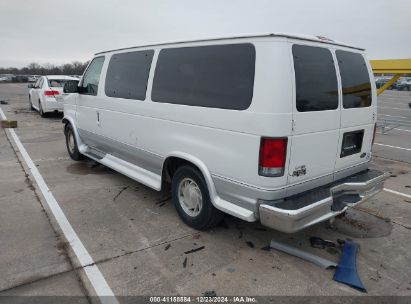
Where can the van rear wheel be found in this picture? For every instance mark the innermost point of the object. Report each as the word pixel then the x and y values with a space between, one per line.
pixel 192 200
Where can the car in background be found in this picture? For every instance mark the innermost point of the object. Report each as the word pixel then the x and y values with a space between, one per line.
pixel 381 80
pixel 20 78
pixel 6 77
pixel 404 84
pixel 47 95
pixel 32 78
pixel 398 84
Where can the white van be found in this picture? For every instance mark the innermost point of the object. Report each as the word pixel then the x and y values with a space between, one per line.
pixel 276 128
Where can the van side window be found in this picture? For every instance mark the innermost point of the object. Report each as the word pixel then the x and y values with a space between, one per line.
pixel 316 79
pixel 91 78
pixel 355 80
pixel 214 76
pixel 127 75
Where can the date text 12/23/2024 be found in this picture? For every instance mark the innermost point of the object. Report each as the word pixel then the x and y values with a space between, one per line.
pixel 203 299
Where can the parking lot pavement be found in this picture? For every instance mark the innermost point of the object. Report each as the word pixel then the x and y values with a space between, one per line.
pixel 142 248
pixel 396 144
pixel 33 257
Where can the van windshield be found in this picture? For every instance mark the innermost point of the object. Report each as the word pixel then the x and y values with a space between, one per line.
pixel 355 80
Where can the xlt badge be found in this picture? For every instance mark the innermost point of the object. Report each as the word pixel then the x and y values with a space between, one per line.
pixel 301 170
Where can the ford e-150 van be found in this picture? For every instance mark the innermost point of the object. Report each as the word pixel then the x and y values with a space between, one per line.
pixel 273 128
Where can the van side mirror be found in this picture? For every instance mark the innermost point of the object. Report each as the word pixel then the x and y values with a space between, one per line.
pixel 71 86
pixel 31 85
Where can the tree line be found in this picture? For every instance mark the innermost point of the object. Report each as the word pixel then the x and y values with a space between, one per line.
pixel 74 68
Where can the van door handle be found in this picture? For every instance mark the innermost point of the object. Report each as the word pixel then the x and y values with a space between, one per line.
pixel 98 118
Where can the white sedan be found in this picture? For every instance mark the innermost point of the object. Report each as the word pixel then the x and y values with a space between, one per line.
pixel 45 95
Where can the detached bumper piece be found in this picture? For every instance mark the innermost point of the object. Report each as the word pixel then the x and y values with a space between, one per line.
pixel 303 210
pixel 347 269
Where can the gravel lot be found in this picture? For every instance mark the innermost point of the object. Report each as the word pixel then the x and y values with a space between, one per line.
pixel 139 244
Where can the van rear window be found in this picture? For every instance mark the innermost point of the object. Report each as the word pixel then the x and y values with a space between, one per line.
pixel 355 79
pixel 215 76
pixel 316 79
pixel 127 75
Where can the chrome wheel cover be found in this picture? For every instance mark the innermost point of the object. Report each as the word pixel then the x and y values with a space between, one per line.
pixel 190 197
pixel 70 142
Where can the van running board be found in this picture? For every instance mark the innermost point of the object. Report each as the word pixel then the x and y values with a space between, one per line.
pixel 94 153
pixel 132 171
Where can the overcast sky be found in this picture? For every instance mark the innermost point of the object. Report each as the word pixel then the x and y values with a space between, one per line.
pixel 50 31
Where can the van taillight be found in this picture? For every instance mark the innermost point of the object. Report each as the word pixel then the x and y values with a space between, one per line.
pixel 273 152
pixel 51 93
pixel 373 135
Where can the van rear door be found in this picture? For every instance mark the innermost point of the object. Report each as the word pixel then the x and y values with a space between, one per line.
pixel 358 112
pixel 316 115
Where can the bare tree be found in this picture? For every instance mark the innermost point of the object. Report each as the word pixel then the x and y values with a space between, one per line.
pixel 74 68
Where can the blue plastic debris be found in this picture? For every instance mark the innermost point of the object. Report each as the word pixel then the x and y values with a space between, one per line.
pixel 346 271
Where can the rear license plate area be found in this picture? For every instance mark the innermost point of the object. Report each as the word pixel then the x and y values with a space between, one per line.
pixel 352 143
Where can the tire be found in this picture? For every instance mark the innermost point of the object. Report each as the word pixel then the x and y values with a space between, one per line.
pixel 200 216
pixel 31 104
pixel 41 112
pixel 71 143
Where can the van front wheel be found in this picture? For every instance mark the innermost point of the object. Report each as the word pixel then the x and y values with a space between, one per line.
pixel 192 200
pixel 71 143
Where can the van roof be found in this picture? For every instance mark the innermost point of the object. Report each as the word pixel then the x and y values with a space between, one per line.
pixel 314 38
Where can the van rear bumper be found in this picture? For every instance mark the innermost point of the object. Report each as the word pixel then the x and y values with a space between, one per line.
pixel 303 210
